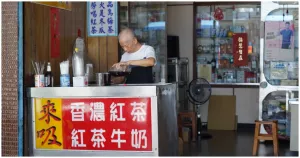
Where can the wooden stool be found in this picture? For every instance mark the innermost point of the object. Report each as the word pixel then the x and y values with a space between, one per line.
pixel 181 124
pixel 258 136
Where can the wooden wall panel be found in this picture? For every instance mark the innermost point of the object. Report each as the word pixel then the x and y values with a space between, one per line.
pixel 37 47
pixel 39 36
pixel 103 54
pixel 101 51
pixel 28 51
pixel 94 52
pixel 112 51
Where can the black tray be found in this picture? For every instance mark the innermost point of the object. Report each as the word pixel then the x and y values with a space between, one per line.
pixel 118 73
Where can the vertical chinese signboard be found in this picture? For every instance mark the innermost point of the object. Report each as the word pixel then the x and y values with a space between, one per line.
pixel 94 124
pixel 54 32
pixel 102 18
pixel 240 49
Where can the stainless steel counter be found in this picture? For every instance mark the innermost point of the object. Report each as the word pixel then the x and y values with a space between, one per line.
pixel 163 111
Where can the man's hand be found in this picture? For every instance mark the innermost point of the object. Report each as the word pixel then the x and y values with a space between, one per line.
pixel 118 65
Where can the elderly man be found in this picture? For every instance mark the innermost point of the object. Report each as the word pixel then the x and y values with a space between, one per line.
pixel 141 59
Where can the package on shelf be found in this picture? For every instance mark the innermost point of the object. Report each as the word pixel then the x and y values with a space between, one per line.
pixel 229 14
pixel 278 70
pixel 224 63
pixel 204 32
pixel 243 16
pixel 293 70
pixel 289 82
pixel 223 48
pixel 240 76
pixel 204 71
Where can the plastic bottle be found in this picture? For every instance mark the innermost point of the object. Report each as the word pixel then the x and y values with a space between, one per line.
pixel 77 63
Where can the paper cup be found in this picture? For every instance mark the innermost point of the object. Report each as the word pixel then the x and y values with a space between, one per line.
pixel 39 80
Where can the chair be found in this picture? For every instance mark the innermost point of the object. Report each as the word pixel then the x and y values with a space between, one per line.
pixel 192 124
pixel 258 136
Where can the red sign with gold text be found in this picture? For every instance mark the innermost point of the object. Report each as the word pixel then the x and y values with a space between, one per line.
pixel 107 124
pixel 54 32
pixel 240 49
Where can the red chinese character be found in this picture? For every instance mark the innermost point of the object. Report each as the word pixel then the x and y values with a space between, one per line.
pixel 47 109
pixel 51 131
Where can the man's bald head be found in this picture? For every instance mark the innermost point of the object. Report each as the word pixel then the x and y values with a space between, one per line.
pixel 128 41
pixel 126 35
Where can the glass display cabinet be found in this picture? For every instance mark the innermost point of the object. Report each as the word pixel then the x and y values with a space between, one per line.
pixel 123 15
pixel 279 63
pixel 215 25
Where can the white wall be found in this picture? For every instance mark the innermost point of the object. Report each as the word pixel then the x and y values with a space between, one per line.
pixel 180 23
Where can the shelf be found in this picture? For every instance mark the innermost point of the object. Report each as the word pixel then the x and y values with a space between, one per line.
pixel 235 85
pixel 252 54
pixel 239 20
pixel 214 37
pixel 214 54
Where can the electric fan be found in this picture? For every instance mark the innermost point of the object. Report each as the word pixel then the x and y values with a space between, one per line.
pixel 199 91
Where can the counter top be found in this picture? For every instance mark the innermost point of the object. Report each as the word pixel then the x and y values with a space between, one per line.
pixel 129 90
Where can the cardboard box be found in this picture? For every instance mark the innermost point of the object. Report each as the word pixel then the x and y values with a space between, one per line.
pixel 186 134
pixel 80 81
pixel 221 113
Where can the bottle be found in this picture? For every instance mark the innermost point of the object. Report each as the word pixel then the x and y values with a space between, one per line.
pixel 78 63
pixel 213 64
pixel 253 62
pixel 48 76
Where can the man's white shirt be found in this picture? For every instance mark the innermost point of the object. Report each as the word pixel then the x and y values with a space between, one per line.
pixel 144 52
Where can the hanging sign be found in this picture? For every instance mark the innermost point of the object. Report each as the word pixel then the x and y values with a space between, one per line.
pixel 60 5
pixel 240 49
pixel 54 32
pixel 93 124
pixel 102 18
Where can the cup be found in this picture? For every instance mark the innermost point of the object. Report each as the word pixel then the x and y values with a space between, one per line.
pixel 39 80
pixel 103 79
pixel 65 80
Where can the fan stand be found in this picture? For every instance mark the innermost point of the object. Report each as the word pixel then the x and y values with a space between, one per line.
pixel 198 91
pixel 200 133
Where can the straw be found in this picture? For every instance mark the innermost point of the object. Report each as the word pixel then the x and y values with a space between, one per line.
pixel 38 67
pixel 34 67
pixel 43 66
